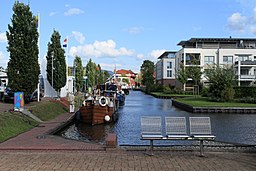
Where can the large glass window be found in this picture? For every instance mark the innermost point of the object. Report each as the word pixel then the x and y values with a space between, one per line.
pixel 169 65
pixel 227 59
pixel 209 59
pixel 244 72
pixel 169 73
pixel 243 58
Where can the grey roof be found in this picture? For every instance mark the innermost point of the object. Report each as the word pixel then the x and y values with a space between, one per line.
pixel 193 40
pixel 165 54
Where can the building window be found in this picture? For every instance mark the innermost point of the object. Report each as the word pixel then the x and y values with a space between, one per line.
pixel 209 59
pixel 244 72
pixel 243 58
pixel 227 59
pixel 169 73
pixel 169 65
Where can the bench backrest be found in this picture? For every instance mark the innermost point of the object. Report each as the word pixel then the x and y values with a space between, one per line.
pixel 175 126
pixel 151 125
pixel 200 125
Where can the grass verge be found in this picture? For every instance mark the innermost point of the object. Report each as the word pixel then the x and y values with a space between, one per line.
pixel 169 95
pixel 204 102
pixel 14 123
pixel 47 110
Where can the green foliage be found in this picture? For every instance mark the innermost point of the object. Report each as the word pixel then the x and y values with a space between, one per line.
pixel 222 80
pixel 91 73
pixel 55 56
pixel 154 88
pixel 78 73
pixel 181 74
pixel 147 70
pixel 228 93
pixel 126 80
pixel 23 67
pixel 244 92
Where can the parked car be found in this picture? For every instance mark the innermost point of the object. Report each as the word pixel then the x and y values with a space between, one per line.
pixel 9 95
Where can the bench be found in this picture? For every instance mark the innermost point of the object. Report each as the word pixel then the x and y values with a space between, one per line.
pixel 200 129
pixel 176 129
pixel 151 129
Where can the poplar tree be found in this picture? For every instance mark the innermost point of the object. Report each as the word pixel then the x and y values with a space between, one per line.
pixel 91 73
pixel 23 68
pixel 56 58
pixel 78 73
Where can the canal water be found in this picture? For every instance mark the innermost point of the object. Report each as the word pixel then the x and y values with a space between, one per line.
pixel 230 128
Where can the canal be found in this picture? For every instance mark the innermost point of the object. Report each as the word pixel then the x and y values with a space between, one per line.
pixel 230 128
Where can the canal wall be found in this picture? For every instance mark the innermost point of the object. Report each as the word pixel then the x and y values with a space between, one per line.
pixel 191 109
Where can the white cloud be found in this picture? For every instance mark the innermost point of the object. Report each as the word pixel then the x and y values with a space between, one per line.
pixel 73 11
pixel 3 37
pixel 52 14
pixel 100 49
pixel 154 54
pixel 110 65
pixel 237 22
pixel 140 56
pixel 3 60
pixel 134 30
pixel 78 36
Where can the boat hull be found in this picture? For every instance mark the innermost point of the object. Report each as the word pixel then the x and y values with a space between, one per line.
pixel 96 114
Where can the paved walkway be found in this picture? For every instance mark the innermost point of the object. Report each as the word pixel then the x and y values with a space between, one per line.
pixel 123 160
pixel 37 150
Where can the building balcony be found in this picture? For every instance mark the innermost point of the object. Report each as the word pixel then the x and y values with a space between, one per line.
pixel 246 77
pixel 252 63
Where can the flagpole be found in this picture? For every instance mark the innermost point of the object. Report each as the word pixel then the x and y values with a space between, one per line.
pixel 67 65
pixel 38 23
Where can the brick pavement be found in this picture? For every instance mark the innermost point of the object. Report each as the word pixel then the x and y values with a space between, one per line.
pixel 124 160
pixel 37 150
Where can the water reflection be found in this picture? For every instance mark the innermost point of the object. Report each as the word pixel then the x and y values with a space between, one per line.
pixel 233 128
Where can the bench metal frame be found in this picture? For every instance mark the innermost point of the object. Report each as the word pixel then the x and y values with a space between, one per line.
pixel 151 129
pixel 200 129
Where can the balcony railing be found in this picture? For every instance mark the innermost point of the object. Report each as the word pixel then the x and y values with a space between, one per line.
pixel 251 77
pixel 246 62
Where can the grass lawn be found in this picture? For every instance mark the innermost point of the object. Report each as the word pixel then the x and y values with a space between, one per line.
pixel 14 123
pixel 170 95
pixel 47 110
pixel 203 102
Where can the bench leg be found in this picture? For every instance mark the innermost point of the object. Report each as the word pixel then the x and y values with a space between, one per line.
pixel 201 148
pixel 151 148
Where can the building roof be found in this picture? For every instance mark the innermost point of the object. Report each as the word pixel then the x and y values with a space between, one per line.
pixel 193 40
pixel 123 71
pixel 165 54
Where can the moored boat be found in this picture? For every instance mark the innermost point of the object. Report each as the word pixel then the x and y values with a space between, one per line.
pixel 100 108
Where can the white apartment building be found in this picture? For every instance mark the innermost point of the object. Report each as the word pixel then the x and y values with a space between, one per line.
pixel 165 69
pixel 237 52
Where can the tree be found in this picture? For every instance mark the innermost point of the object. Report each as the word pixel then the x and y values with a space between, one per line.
pixel 56 58
pixel 91 73
pixel 78 73
pixel 147 70
pixel 194 72
pixel 222 80
pixel 181 75
pixel 23 68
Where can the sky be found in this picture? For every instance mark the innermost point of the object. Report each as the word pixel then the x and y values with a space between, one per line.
pixel 124 33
